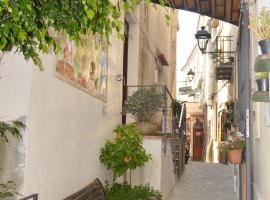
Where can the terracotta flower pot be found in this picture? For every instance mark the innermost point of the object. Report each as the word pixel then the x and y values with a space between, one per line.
pixel 147 128
pixel 235 156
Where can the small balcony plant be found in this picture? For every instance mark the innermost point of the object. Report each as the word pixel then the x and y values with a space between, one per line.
pixel 234 146
pixel 228 116
pixel 262 80
pixel 260 28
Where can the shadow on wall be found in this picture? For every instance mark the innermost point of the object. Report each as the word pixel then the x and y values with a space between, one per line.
pixel 12 160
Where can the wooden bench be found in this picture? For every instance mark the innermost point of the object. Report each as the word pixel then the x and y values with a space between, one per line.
pixel 33 197
pixel 93 191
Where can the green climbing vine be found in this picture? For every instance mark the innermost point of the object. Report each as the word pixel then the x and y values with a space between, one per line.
pixel 25 24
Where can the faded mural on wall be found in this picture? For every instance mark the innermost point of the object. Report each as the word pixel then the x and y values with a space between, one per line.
pixel 85 66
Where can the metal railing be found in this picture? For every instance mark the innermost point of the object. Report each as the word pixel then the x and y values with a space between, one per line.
pixel 166 109
pixel 169 131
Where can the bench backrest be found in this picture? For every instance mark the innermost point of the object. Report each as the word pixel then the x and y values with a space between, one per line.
pixel 93 191
pixel 30 197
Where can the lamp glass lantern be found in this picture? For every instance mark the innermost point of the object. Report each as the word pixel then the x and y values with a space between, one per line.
pixel 190 75
pixel 202 37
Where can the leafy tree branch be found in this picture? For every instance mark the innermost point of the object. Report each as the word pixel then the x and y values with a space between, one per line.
pixel 25 24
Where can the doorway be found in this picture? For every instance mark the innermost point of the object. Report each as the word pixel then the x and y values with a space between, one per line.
pixel 125 68
pixel 198 140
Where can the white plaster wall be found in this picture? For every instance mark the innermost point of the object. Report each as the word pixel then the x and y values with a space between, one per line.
pixel 159 171
pixel 261 132
pixel 168 178
pixel 151 171
pixel 133 43
pixel 157 37
pixel 261 160
pixel 15 78
pixel 67 128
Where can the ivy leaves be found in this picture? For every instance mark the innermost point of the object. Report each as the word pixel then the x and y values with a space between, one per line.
pixel 25 24
pixel 13 128
pixel 22 27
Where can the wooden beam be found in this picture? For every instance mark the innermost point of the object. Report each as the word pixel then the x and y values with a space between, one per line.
pixel 185 4
pixel 210 9
pixel 225 5
pixel 213 8
pixel 198 3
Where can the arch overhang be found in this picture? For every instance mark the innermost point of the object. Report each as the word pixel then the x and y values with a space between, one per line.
pixel 225 10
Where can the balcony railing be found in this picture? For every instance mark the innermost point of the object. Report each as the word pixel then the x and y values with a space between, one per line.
pixel 168 126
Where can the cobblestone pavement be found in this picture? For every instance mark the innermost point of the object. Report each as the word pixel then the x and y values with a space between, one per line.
pixel 201 181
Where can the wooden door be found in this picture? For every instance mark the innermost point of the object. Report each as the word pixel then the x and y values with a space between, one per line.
pixel 198 141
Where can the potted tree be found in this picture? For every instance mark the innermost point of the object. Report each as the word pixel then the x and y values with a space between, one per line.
pixel 262 81
pixel 233 146
pixel 142 105
pixel 260 27
pixel 126 152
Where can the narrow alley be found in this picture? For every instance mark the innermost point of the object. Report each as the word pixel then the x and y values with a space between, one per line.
pixel 202 181
pixel 124 99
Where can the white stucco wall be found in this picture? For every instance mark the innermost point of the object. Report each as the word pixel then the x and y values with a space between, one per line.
pixel 159 171
pixel 15 79
pixel 65 126
pixel 261 132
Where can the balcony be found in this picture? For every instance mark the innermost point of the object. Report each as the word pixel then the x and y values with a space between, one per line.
pixel 224 66
pixel 224 72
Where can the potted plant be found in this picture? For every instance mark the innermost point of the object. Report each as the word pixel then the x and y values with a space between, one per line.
pixel 142 105
pixel 125 152
pixel 233 146
pixel 228 116
pixel 177 106
pixel 262 81
pixel 260 27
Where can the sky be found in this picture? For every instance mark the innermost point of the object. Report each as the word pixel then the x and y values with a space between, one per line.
pixel 185 39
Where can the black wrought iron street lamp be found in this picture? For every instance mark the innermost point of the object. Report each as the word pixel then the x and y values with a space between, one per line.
pixel 202 37
pixel 190 75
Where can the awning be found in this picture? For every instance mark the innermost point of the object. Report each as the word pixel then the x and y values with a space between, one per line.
pixel 225 10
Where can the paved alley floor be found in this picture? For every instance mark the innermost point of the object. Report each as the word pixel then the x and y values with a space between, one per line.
pixel 201 181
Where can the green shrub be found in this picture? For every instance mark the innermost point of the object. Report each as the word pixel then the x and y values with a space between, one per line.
pixel 8 190
pixel 125 151
pixel 177 106
pixel 123 191
pixel 143 103
pixel 262 75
